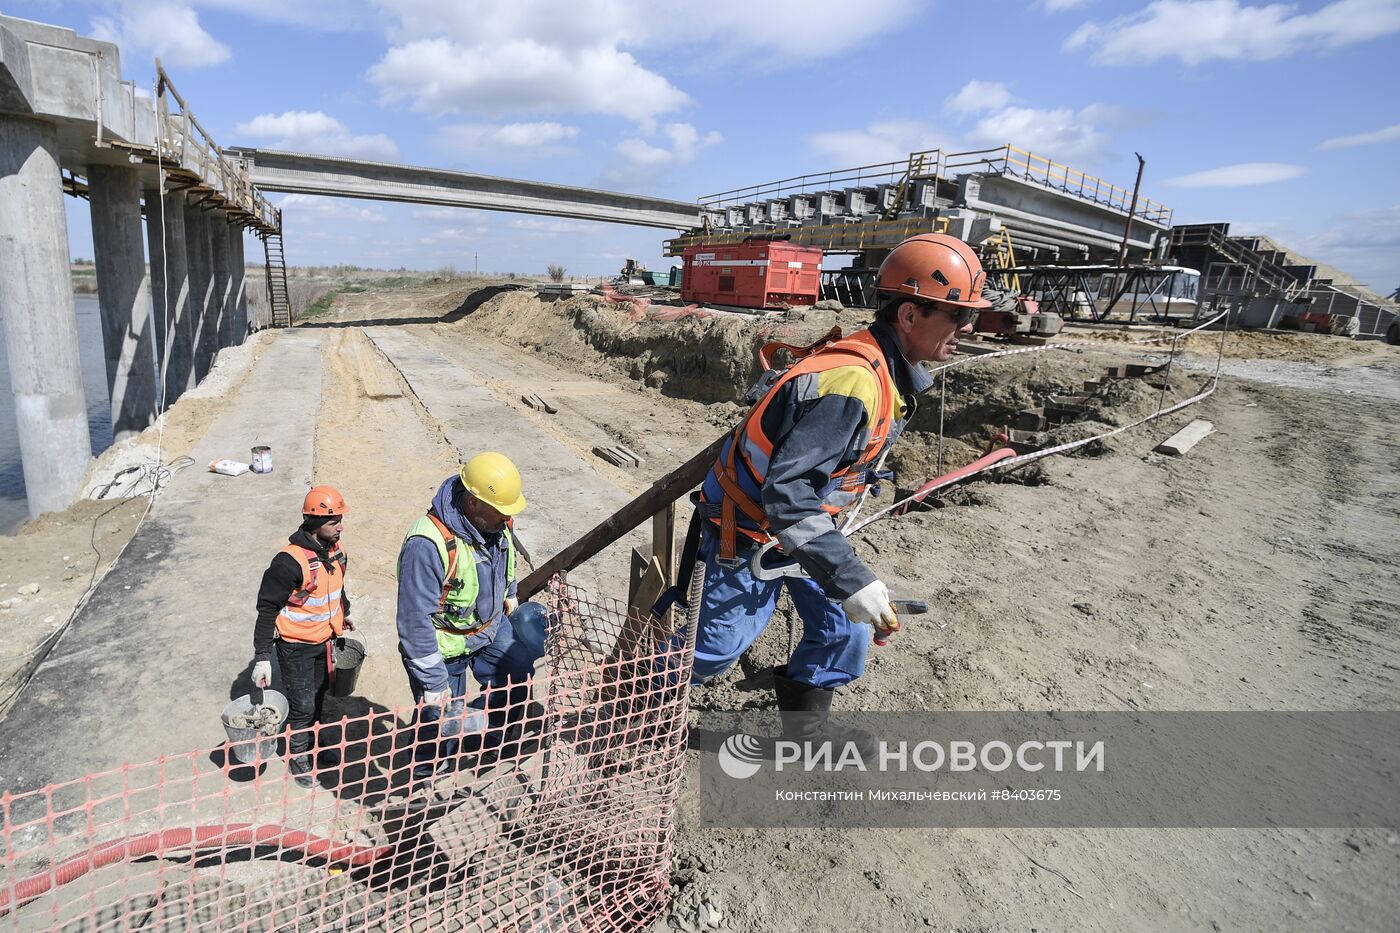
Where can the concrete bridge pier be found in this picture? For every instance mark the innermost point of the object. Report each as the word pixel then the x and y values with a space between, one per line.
pixel 170 277
pixel 123 297
pixel 219 317
pixel 240 285
pixel 40 319
pixel 196 330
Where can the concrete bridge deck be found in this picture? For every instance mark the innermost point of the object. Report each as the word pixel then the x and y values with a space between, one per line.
pixel 380 181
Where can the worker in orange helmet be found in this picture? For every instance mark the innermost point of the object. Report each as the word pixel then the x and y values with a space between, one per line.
pixel 303 606
pixel 807 448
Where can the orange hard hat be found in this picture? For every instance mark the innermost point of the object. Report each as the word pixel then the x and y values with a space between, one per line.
pixel 935 267
pixel 324 500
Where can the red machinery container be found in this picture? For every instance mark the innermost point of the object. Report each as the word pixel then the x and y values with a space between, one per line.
pixel 757 273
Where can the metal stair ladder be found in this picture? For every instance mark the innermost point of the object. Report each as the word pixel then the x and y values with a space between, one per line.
pixel 276 267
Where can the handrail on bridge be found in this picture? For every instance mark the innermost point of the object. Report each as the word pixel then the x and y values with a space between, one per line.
pixel 1011 160
pixel 924 164
pixel 182 141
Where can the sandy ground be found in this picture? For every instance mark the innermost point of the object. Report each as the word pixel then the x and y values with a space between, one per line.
pixel 1255 573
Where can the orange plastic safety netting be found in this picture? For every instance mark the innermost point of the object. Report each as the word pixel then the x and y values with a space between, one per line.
pixel 557 815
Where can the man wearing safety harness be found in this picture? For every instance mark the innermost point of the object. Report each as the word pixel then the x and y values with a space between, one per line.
pixel 457 610
pixel 302 605
pixel 808 448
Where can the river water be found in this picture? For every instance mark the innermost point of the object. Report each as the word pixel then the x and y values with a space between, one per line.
pixel 13 509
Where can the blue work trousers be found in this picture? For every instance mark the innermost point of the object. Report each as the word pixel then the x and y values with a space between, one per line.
pixel 497 660
pixel 736 608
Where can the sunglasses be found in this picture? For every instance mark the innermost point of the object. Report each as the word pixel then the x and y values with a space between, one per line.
pixel 961 316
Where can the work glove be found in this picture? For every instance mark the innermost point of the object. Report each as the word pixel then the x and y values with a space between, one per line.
pixel 349 626
pixel 262 674
pixel 871 605
pixel 512 604
pixel 437 698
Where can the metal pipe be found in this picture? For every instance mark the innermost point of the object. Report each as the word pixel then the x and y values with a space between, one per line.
pixel 1128 224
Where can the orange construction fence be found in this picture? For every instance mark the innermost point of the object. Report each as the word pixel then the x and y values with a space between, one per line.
pixel 558 815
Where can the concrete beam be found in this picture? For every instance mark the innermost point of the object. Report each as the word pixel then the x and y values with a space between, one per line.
pixel 334 177
pixel 199 320
pixel 39 317
pixel 123 297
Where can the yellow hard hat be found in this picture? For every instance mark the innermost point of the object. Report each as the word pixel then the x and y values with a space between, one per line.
pixel 493 479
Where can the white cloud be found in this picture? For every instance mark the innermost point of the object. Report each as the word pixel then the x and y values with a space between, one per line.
pixel 881 141
pixel 642 162
pixel 442 76
pixel 165 29
pixel 510 137
pixel 554 57
pixel 982 116
pixel 1056 6
pixel 1062 134
pixel 978 96
pixel 1242 175
pixel 318 133
pixel 1196 31
pixel 1387 134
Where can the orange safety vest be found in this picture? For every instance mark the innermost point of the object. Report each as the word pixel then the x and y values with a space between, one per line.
pixel 749 442
pixel 315 612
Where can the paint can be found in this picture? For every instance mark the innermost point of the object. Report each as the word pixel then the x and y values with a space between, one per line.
pixel 262 459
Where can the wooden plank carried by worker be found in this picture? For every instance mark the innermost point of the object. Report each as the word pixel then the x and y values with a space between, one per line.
pixel 1188 437
pixel 639 629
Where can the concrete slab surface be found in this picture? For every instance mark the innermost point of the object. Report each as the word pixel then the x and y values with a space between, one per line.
pixel 155 655
pixel 566 495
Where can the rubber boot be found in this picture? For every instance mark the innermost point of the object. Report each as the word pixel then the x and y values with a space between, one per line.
pixel 300 768
pixel 810 709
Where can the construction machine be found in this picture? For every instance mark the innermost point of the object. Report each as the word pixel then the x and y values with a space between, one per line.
pixel 1016 317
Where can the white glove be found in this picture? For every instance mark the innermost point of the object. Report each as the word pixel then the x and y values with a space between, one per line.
pixel 437 697
pixel 262 674
pixel 871 605
pixel 512 604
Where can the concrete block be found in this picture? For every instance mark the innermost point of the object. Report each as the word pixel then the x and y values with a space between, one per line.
pixel 1188 437
pixel 1116 372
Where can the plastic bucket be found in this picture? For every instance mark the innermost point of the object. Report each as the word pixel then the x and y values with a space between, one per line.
pixel 253 745
pixel 347 654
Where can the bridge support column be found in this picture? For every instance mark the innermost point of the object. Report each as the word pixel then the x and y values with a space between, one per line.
pixel 170 283
pixel 219 313
pixel 240 285
pixel 39 318
pixel 200 326
pixel 123 297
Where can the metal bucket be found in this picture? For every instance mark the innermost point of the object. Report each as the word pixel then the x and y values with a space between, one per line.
pixel 253 745
pixel 347 654
pixel 262 460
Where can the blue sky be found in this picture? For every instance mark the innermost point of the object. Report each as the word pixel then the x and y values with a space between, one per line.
pixel 1282 119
